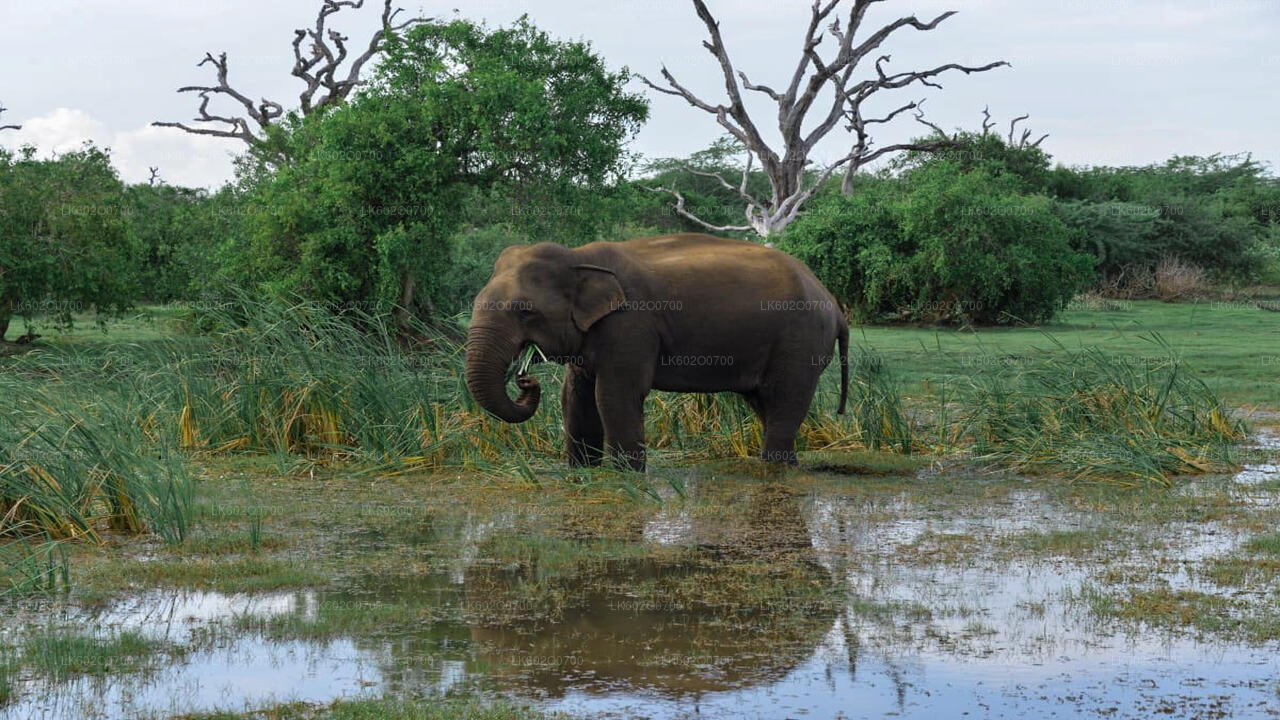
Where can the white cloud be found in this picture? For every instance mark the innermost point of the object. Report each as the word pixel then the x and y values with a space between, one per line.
pixel 59 131
pixel 183 159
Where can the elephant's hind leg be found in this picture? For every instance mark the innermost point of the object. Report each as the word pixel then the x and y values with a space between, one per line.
pixel 785 402
pixel 757 406
pixel 583 431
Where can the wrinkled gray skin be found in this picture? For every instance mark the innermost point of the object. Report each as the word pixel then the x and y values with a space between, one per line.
pixel 685 313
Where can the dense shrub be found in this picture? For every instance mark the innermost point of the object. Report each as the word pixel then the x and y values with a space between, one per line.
pixel 176 232
pixel 1116 233
pixel 944 245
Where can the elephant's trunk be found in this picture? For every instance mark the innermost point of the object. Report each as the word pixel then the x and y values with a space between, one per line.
pixel 489 354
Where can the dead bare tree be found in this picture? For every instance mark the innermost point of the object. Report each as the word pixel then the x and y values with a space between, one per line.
pixel 320 68
pixel 791 180
pixel 155 176
pixel 8 127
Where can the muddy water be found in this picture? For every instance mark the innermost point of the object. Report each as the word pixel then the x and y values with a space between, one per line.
pixel 922 625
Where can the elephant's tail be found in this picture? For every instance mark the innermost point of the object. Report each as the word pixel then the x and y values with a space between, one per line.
pixel 844 365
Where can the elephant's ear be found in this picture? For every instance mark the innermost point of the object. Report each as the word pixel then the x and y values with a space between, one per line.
pixel 598 294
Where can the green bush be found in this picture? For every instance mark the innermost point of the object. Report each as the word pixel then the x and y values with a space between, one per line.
pixel 943 245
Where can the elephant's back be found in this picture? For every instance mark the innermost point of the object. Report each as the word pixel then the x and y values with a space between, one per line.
pixel 761 271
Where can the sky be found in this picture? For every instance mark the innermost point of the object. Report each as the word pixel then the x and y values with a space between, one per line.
pixel 1113 82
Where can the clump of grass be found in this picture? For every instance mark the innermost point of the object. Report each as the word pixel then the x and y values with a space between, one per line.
pixel 69 466
pixel 433 708
pixel 703 426
pixel 61 653
pixel 875 418
pixel 255 531
pixel 253 573
pixel 342 617
pixel 1268 544
pixel 1256 563
pixel 1180 610
pixel 8 666
pixel 33 565
pixel 1059 542
pixel 298 378
pixel 1092 416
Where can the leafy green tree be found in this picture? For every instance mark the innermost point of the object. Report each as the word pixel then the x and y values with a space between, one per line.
pixel 64 241
pixel 175 231
pixel 369 209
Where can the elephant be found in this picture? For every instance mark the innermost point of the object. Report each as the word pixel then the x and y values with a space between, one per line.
pixel 684 313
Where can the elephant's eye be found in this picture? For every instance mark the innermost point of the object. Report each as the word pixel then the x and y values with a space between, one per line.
pixel 527 313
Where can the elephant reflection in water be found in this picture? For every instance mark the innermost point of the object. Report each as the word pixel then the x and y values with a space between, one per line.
pixel 745 607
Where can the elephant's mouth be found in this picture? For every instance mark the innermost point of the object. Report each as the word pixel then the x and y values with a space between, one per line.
pixel 532 355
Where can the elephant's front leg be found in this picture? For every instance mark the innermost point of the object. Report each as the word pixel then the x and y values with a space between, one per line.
pixel 620 399
pixel 583 431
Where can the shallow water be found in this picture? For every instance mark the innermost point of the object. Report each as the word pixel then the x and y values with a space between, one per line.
pixel 914 637
pixel 1268 442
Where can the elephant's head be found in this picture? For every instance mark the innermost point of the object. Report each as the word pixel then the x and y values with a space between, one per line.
pixel 539 295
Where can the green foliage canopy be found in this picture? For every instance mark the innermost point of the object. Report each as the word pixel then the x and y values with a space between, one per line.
pixel 64 241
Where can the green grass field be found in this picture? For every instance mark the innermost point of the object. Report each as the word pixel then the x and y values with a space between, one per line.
pixel 1233 347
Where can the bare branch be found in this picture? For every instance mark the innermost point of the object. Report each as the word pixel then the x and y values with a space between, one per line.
pixel 987 123
pixel 741 191
pixel 155 175
pixel 921 119
pixel 318 68
pixel 759 88
pixel 1026 134
pixel 1014 124
pixel 681 91
pixel 8 127
pixel 680 210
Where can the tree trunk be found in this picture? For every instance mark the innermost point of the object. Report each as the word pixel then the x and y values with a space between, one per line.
pixel 404 313
pixel 6 314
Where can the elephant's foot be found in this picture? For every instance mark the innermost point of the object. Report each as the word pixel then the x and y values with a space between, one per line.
pixel 629 459
pixel 581 454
